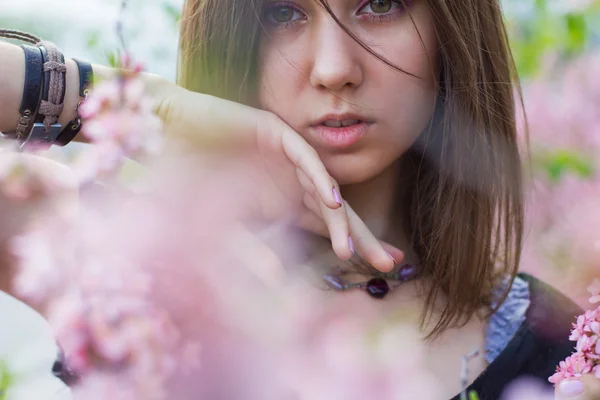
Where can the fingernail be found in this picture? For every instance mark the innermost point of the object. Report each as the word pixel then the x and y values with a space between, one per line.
pixel 393 259
pixel 337 197
pixel 571 388
pixel 351 244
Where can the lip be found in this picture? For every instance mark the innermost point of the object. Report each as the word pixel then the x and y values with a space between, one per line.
pixel 341 137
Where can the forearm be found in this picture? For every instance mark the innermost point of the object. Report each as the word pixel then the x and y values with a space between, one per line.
pixel 12 79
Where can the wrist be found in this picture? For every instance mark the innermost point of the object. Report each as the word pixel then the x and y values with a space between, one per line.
pixel 12 72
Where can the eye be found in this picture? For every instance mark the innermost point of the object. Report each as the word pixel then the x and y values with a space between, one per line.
pixel 383 6
pixel 380 6
pixel 279 14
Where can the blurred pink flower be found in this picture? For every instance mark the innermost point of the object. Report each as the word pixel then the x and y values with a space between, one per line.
pixel 586 359
pixel 594 289
pixel 527 389
pixel 574 366
pixel 583 325
pixel 118 119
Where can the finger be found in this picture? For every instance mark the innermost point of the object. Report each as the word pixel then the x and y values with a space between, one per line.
pixel 336 220
pixel 337 226
pixel 585 388
pixel 303 156
pixel 368 246
pixel 362 232
pixel 257 256
pixel 395 253
pixel 314 218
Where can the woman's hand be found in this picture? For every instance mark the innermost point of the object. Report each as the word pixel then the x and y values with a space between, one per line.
pixel 585 388
pixel 298 183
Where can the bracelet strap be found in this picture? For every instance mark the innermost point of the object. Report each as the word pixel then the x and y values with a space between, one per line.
pixel 86 77
pixel 54 85
pixel 46 130
pixel 31 91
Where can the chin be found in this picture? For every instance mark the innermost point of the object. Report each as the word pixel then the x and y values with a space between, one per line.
pixel 351 169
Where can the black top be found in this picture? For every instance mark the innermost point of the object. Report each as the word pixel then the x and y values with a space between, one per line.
pixel 541 342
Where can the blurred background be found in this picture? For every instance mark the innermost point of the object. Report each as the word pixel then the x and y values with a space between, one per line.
pixel 556 44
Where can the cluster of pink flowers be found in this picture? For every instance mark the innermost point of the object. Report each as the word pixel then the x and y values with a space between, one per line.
pixel 119 120
pixel 98 298
pixel 586 332
pixel 562 214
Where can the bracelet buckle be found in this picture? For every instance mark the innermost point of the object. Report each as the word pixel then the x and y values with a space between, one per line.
pixel 40 138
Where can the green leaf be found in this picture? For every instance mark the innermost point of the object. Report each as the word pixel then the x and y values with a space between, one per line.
pixel 541 6
pixel 114 58
pixel 577 33
pixel 93 40
pixel 560 162
pixel 543 32
pixel 473 395
pixel 5 380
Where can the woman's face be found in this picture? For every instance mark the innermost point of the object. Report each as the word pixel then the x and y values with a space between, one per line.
pixel 315 77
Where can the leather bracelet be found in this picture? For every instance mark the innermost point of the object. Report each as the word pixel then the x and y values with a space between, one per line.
pixel 32 92
pixel 45 87
pixel 46 130
pixel 86 77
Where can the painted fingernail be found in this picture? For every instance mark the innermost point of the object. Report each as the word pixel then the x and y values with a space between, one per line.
pixel 337 197
pixel 351 244
pixel 571 388
pixel 393 259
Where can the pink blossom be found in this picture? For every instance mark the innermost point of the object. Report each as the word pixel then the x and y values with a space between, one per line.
pixel 573 367
pixel 586 344
pixel 578 328
pixel 119 120
pixel 594 289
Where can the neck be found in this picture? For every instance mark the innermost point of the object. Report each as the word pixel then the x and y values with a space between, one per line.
pixel 375 202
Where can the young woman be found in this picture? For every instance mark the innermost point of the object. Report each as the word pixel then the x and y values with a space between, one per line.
pixel 389 127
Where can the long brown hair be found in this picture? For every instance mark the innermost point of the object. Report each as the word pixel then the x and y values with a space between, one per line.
pixel 465 197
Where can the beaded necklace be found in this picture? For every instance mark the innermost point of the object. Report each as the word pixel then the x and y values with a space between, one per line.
pixel 378 286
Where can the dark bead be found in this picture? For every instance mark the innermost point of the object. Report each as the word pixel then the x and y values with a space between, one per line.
pixel 407 272
pixel 378 288
pixel 334 281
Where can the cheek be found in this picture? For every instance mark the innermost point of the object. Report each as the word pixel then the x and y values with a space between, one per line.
pixel 279 83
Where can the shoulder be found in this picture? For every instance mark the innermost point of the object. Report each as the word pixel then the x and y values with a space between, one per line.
pixel 551 314
pixel 544 340
pixel 541 339
pixel 549 322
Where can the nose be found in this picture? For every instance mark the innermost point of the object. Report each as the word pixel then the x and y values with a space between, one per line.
pixel 336 65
